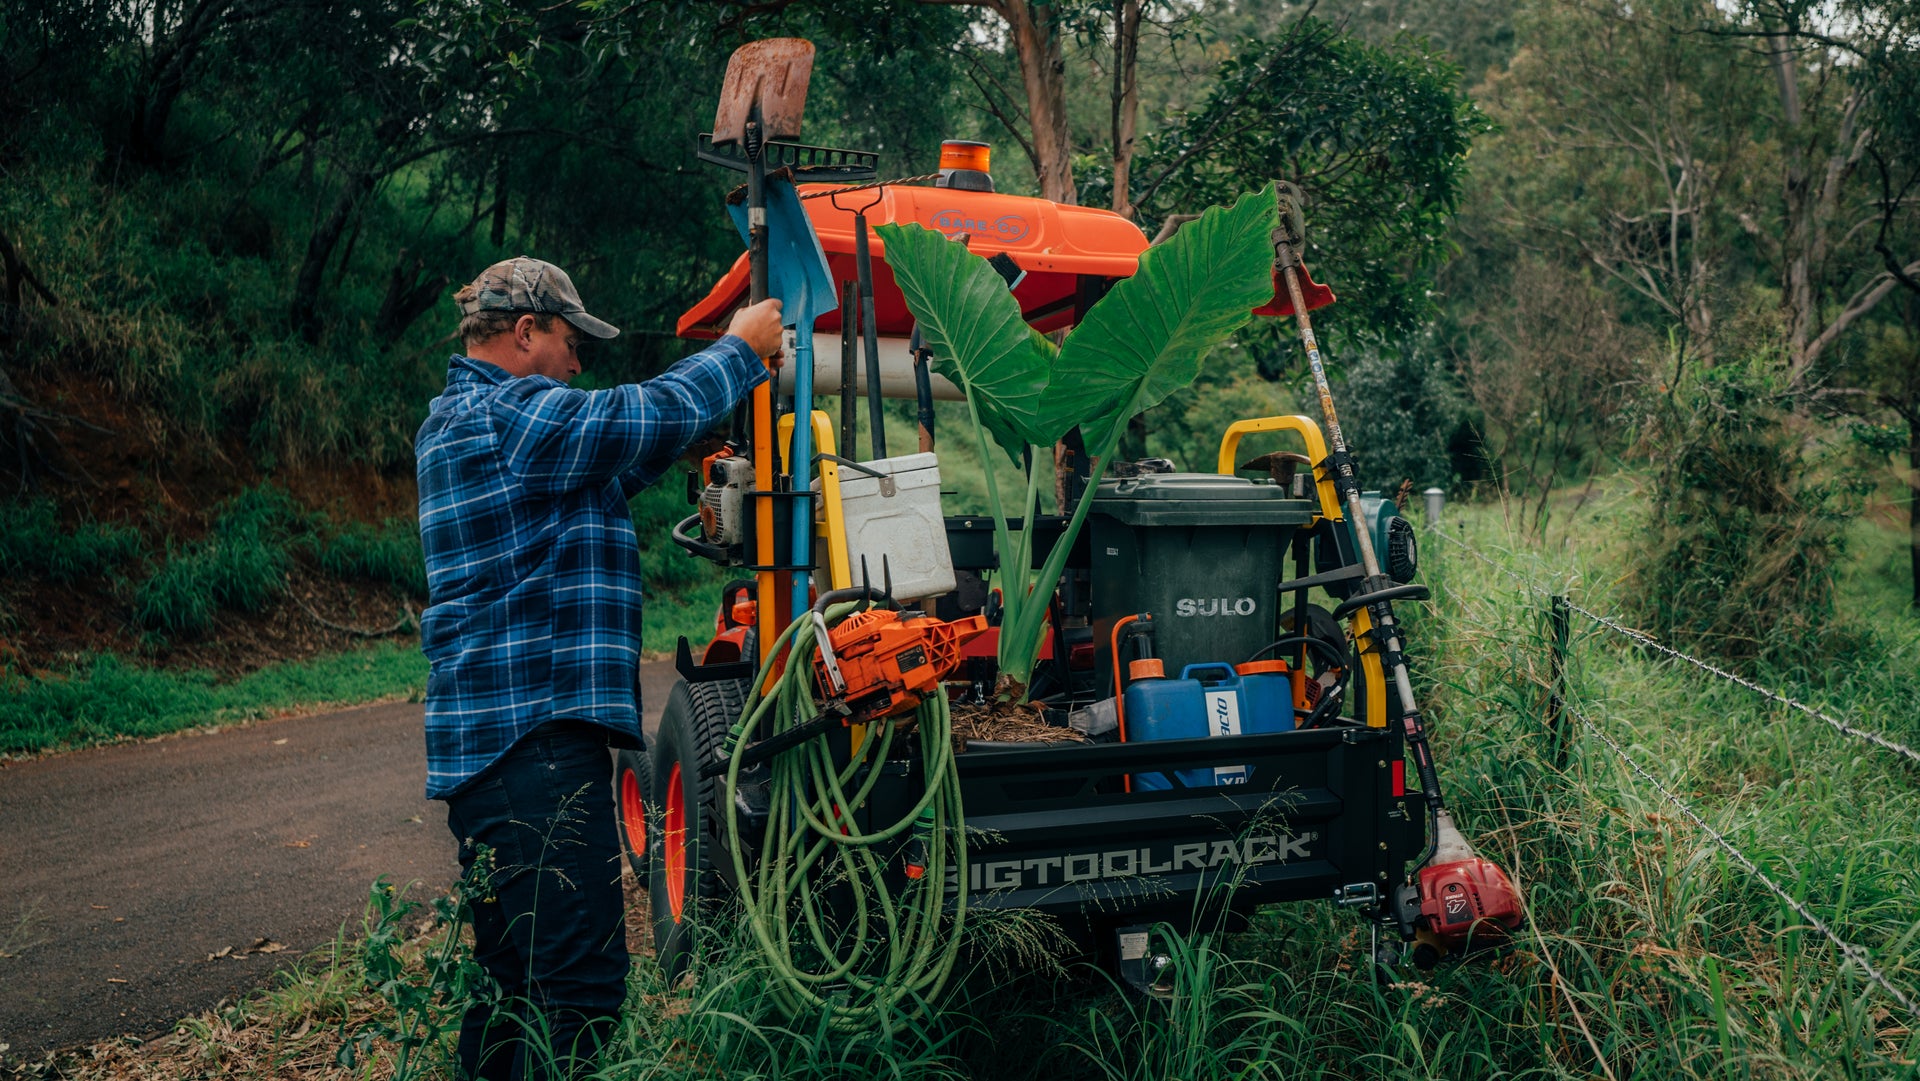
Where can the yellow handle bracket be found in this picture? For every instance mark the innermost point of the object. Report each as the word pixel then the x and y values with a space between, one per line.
pixel 1372 673
pixel 1309 433
pixel 832 528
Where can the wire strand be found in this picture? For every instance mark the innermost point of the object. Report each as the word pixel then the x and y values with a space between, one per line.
pixel 1644 639
pixel 826 193
pixel 1854 954
pixel 1838 725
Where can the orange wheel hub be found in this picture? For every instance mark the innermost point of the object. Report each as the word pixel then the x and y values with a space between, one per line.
pixel 673 832
pixel 633 813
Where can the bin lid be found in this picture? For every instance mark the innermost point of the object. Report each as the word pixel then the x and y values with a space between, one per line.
pixel 1199 499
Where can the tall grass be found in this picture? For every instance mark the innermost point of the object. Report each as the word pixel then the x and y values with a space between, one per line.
pixel 389 552
pixel 241 564
pixel 33 544
pixel 1675 963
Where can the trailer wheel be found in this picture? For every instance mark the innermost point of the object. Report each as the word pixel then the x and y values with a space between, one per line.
pixel 682 882
pixel 633 796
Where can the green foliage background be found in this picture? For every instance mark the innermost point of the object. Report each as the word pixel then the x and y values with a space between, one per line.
pixel 251 217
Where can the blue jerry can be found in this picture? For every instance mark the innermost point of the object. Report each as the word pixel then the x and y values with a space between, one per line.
pixel 1207 700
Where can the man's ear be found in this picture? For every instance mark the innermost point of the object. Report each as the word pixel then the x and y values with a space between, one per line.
pixel 523 330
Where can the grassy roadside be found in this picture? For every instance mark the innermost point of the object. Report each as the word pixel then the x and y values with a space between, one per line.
pixel 1651 954
pixel 109 699
pixel 295 1026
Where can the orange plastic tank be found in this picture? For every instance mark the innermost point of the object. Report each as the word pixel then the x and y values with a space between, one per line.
pixel 1056 244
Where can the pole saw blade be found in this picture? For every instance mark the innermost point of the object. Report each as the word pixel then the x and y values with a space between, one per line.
pixel 1305 295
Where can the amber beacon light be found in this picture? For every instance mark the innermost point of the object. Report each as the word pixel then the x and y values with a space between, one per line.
pixel 966 165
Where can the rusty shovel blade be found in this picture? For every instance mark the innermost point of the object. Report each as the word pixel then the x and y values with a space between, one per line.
pixel 772 74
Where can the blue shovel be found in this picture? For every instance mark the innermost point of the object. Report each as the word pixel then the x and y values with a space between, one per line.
pixel 797 273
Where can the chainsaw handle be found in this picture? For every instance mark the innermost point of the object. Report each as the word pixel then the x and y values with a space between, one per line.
pixel 852 593
pixel 683 537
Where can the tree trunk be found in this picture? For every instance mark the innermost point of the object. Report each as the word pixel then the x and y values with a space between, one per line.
pixel 304 312
pixel 1796 289
pixel 1043 68
pixel 1126 100
pixel 409 294
pixel 498 233
pixel 165 79
pixel 1043 72
pixel 1811 207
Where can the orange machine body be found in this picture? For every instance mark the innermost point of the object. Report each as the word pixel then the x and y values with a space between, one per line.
pixel 1057 244
pixel 890 665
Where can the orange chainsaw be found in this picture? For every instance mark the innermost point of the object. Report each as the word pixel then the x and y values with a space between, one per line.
pixel 884 663
pixel 871 665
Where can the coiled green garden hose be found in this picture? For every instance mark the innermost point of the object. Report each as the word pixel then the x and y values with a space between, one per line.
pixel 894 953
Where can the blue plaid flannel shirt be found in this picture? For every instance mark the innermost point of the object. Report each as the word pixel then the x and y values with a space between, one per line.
pixel 533 569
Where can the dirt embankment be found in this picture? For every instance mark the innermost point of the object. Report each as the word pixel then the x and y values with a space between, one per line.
pixel 112 463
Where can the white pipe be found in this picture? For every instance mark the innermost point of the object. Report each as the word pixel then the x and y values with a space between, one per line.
pixel 896 371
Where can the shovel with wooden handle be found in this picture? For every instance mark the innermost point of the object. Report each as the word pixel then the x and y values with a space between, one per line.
pixel 762 99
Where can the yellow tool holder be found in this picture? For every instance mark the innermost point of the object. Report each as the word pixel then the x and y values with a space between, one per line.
pixel 830 530
pixel 1372 672
pixel 1309 433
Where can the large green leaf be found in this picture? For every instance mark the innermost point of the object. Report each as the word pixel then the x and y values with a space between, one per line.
pixel 1146 338
pixel 974 327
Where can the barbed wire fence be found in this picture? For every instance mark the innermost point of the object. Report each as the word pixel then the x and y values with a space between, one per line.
pixel 1560 703
pixel 1647 641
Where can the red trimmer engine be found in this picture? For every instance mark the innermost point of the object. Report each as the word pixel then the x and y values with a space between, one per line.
pixel 1466 904
pixel 1457 903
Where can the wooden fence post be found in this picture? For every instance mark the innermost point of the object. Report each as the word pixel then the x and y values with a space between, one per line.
pixel 1558 617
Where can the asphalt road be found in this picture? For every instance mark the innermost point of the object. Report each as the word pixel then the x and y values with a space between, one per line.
pixel 123 868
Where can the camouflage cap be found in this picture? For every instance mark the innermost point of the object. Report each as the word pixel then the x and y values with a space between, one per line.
pixel 526 284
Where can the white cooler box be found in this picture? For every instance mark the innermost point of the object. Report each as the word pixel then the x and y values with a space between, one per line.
pixel 898 519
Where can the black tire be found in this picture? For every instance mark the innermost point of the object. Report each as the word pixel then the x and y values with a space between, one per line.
pixel 636 808
pixel 682 882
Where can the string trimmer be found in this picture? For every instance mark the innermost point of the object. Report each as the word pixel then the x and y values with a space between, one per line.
pixel 1453 895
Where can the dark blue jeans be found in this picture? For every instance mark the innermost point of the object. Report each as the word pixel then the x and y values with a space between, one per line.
pixel 548 919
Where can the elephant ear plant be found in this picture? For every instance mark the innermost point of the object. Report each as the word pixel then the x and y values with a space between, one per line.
pixel 1140 343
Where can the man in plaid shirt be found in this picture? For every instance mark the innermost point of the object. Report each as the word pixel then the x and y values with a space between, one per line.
pixel 533 637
